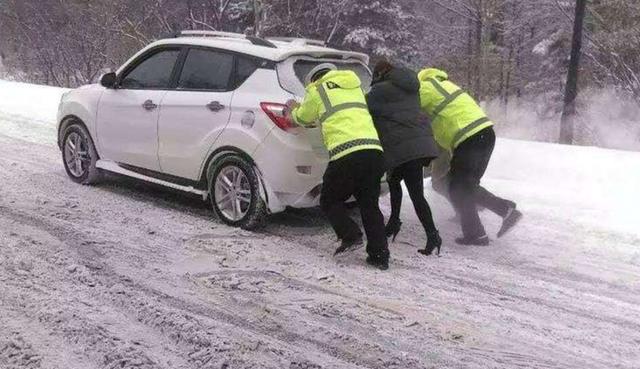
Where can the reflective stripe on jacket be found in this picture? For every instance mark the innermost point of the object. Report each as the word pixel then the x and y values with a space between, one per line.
pixel 338 103
pixel 455 115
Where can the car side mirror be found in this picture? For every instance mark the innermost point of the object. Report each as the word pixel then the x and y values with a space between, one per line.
pixel 108 80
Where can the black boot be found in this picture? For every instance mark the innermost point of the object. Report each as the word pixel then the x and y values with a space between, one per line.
pixel 510 220
pixel 433 242
pixel 380 263
pixel 393 228
pixel 473 241
pixel 349 245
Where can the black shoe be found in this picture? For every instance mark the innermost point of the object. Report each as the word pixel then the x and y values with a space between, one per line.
pixel 433 242
pixel 475 241
pixel 380 263
pixel 349 246
pixel 393 228
pixel 509 221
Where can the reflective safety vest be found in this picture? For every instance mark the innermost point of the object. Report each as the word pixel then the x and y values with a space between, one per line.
pixel 455 115
pixel 337 102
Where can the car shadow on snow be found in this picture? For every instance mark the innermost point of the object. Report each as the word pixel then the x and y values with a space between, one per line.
pixel 303 221
pixel 160 196
pixel 300 218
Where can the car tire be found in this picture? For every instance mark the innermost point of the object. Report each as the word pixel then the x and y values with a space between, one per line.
pixel 79 155
pixel 234 191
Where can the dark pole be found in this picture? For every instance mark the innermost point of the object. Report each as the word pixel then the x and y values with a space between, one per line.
pixel 571 89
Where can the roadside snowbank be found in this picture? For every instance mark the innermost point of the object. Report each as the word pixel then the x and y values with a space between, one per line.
pixel 37 102
pixel 593 185
pixel 29 111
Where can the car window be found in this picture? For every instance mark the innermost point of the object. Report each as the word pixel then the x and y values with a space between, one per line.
pixel 246 67
pixel 152 73
pixel 206 70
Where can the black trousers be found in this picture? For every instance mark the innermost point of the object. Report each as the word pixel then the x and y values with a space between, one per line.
pixel 412 174
pixel 468 165
pixel 357 174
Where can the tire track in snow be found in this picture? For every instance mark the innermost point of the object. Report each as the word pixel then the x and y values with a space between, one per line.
pixel 38 165
pixel 104 276
pixel 523 304
pixel 35 289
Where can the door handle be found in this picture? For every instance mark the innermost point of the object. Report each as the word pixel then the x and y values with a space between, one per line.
pixel 215 106
pixel 149 105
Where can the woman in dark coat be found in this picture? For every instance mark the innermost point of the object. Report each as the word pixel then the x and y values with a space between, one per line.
pixel 408 144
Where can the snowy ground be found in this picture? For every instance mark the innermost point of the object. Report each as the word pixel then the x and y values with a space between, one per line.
pixel 126 274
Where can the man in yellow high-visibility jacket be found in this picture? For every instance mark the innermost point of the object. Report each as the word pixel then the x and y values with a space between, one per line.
pixel 461 127
pixel 335 100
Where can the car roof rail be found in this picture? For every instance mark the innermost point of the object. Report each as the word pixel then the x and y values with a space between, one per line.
pixel 239 36
pixel 299 41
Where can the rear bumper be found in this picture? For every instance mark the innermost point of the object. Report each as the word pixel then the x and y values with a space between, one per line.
pixel 280 201
pixel 307 200
pixel 291 171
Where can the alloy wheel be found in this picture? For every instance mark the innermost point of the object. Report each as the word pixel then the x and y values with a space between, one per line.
pixel 76 154
pixel 233 193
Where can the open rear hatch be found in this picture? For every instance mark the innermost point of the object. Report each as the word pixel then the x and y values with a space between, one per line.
pixel 291 73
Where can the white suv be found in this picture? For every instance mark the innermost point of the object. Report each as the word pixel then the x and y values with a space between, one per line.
pixel 203 113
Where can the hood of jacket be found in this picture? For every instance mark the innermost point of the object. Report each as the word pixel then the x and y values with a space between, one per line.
pixel 344 78
pixel 428 73
pixel 405 79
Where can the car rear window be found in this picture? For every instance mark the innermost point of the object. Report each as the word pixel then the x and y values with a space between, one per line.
pixel 303 67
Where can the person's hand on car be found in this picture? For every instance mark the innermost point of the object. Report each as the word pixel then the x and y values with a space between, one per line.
pixel 290 105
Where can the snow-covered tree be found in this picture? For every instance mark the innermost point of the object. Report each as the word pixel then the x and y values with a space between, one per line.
pixel 615 40
pixel 494 48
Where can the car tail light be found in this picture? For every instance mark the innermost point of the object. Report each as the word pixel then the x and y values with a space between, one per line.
pixel 275 112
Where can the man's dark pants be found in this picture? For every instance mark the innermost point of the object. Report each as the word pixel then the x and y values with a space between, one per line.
pixel 469 162
pixel 357 174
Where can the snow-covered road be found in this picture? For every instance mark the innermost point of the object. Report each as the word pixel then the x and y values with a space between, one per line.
pixel 130 275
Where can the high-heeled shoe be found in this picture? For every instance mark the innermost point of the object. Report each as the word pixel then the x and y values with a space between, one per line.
pixel 393 228
pixel 434 242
